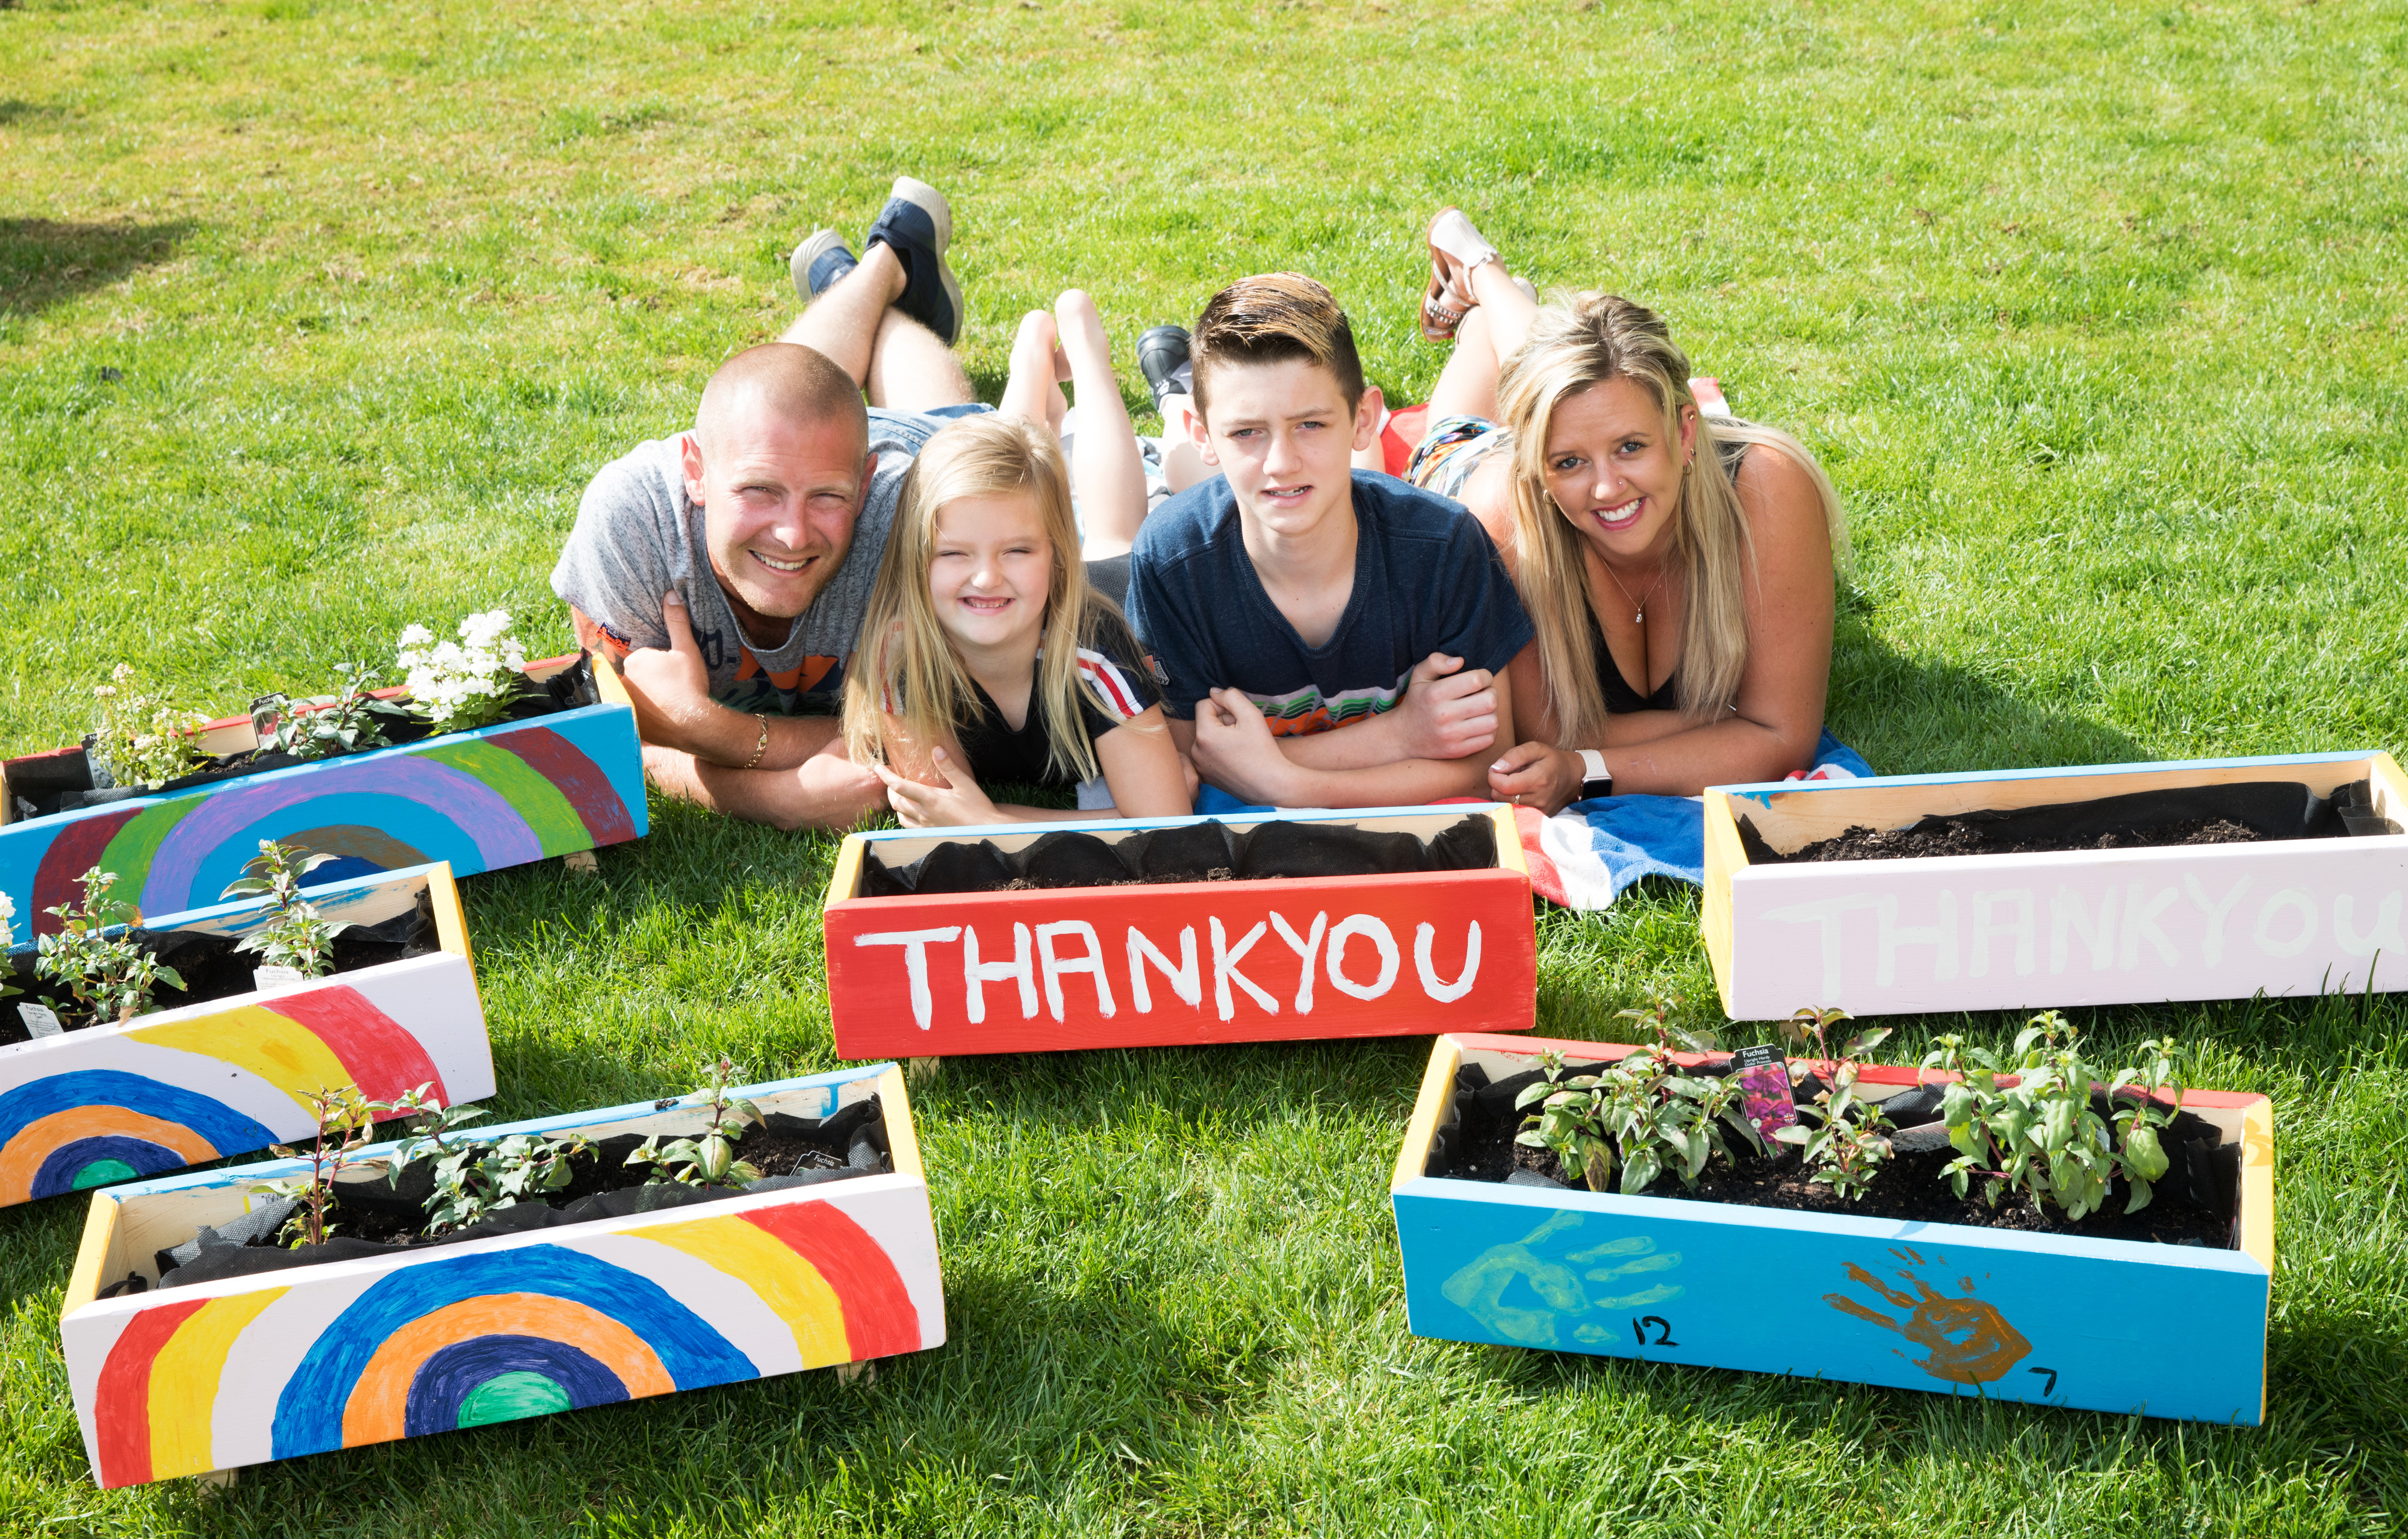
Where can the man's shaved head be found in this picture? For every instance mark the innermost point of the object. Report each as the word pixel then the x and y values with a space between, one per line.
pixel 783 381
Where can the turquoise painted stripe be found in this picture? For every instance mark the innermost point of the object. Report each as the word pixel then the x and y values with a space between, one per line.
pixel 1762 792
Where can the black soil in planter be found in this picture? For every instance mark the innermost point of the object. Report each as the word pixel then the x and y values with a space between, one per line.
pixel 1195 851
pixel 46 784
pixel 2196 1203
pixel 374 1217
pixel 2247 812
pixel 213 969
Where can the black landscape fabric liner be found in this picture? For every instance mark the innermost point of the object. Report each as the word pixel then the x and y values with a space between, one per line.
pixel 45 785
pixel 213 969
pixel 853 1141
pixel 1196 852
pixel 2195 1202
pixel 2241 811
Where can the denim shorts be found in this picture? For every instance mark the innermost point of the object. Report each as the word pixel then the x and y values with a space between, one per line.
pixel 915 428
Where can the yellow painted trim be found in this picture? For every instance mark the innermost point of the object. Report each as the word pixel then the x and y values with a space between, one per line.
pixel 1509 840
pixel 607 682
pixel 1716 919
pixel 2257 1183
pixel 451 922
pixel 2384 771
pixel 902 1140
pixel 1446 1054
pixel 845 879
pixel 92 1255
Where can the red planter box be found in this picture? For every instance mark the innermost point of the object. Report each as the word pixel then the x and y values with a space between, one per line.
pixel 1179 964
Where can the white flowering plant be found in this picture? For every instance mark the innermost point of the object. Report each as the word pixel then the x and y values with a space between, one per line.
pixel 143 740
pixel 457 685
pixel 7 940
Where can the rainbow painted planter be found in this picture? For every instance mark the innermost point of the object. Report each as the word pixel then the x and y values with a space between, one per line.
pixel 2122 1326
pixel 479 801
pixel 232 1075
pixel 247 1370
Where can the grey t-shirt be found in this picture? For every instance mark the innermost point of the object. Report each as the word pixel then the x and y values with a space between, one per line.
pixel 638 536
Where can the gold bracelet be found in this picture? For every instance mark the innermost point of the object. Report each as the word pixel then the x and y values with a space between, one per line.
pixel 763 746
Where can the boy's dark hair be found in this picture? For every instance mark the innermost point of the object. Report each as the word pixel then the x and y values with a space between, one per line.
pixel 1272 318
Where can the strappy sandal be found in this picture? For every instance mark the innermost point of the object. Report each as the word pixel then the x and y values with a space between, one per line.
pixel 1449 297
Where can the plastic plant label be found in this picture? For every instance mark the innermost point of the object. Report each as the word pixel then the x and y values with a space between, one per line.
pixel 39 1020
pixel 1764 1088
pixel 266 712
pixel 277 977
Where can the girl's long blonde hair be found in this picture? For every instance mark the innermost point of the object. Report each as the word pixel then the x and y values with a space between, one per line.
pixel 1583 339
pixel 905 665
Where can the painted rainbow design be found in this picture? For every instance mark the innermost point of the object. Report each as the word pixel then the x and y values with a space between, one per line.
pixel 501 796
pixel 77 1128
pixel 355 1353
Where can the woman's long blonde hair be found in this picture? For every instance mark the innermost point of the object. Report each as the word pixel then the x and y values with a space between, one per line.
pixel 1584 340
pixel 904 665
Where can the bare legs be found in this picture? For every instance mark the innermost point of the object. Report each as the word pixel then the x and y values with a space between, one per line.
pixel 1105 465
pixel 1493 332
pixel 899 364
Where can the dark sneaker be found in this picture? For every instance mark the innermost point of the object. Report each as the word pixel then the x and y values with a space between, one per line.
pixel 819 263
pixel 917 225
pixel 1162 358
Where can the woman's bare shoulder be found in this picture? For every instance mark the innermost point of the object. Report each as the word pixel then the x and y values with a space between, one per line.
pixel 1778 494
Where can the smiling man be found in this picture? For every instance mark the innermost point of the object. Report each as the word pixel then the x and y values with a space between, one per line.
pixel 727 568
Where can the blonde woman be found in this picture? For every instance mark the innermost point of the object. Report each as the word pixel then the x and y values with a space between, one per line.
pixel 1678 569
pixel 986 657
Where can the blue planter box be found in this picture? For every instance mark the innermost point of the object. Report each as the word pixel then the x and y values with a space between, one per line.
pixel 2039 1318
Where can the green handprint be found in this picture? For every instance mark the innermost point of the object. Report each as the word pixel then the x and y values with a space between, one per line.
pixel 1480 1287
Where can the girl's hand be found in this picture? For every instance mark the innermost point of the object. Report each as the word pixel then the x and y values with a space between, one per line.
pixel 955 802
pixel 1533 774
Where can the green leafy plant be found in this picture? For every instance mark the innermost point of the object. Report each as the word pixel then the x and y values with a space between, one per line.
pixel 108 974
pixel 1641 1112
pixel 711 1160
pixel 477 1177
pixel 350 723
pixel 1852 1145
pixel 1656 1017
pixel 2040 1133
pixel 346 1124
pixel 295 935
pixel 143 740
pixel 8 943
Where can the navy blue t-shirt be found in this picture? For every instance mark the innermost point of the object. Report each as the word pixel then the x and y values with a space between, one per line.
pixel 1427 578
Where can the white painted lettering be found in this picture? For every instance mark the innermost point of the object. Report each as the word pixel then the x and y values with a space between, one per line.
pixel 2066 911
pixel 976 974
pixel 2385 936
pixel 915 944
pixel 1890 935
pixel 1092 964
pixel 2141 921
pixel 1824 912
pixel 1382 941
pixel 2019 929
pixel 1224 969
pixel 1308 949
pixel 2299 903
pixel 1436 988
pixel 2217 910
pixel 1184 980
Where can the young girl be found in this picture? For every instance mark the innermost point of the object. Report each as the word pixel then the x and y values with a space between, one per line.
pixel 986 657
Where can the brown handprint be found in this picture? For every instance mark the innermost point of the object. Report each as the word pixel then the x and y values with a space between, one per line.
pixel 1970 1341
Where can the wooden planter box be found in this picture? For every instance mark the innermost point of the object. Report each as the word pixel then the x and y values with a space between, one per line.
pixel 2030 931
pixel 246 1370
pixel 1179 963
pixel 2039 1318
pixel 500 796
pixel 231 1076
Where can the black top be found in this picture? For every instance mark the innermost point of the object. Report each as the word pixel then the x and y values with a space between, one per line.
pixel 1110 666
pixel 1622 696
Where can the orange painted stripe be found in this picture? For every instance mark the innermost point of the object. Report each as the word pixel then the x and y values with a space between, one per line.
pixel 376 1411
pixel 21 1160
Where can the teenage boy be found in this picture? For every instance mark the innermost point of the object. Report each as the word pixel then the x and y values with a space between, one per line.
pixel 727 568
pixel 1291 597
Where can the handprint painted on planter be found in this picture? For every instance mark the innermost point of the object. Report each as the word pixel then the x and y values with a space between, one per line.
pixel 1572 1284
pixel 1969 1342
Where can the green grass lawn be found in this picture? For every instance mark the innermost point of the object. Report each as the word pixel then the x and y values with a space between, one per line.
pixel 315 317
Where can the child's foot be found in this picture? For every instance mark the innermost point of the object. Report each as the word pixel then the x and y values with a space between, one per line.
pixel 917 225
pixel 819 263
pixel 1455 248
pixel 1162 358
